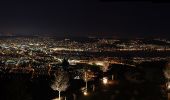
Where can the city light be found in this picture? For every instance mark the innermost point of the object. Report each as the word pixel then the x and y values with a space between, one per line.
pixel 105 80
pixel 81 50
pixel 168 85
pixel 85 93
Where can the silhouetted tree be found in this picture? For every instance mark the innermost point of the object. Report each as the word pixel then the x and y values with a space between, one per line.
pixel 65 64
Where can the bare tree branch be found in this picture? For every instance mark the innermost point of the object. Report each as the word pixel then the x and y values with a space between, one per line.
pixel 61 81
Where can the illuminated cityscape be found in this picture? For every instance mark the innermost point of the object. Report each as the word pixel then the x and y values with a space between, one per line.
pixel 107 61
pixel 29 54
pixel 84 50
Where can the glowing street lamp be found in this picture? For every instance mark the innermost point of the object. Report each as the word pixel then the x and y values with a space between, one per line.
pixel 168 85
pixel 85 93
pixel 86 80
pixel 105 80
pixel 168 88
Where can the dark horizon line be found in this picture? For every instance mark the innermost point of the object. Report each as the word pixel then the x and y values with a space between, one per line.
pixel 86 36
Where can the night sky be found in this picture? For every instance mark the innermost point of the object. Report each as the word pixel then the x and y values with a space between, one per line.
pixel 82 17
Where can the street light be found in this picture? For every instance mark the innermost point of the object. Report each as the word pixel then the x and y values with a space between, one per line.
pixel 85 93
pixel 168 86
pixel 105 80
pixel 86 80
